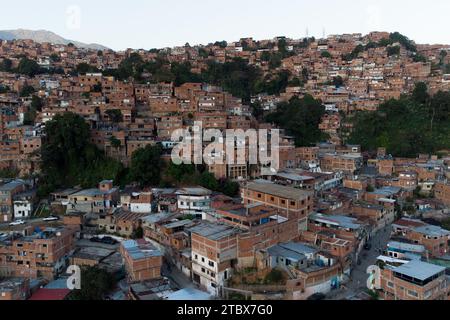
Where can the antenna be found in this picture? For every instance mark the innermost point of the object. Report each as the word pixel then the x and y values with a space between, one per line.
pixel 307 32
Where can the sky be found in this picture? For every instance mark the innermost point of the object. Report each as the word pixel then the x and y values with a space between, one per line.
pixel 147 24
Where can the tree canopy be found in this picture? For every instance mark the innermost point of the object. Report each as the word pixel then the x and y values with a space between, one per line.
pixel 300 118
pixel 69 158
pixel 146 166
pixel 408 126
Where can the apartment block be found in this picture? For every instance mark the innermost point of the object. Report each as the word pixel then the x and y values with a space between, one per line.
pixel 214 253
pixel 290 203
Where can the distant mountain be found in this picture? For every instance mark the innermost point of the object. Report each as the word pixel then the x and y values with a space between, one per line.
pixel 44 36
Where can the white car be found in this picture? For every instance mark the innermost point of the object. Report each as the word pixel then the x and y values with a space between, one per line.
pixel 17 223
pixel 51 218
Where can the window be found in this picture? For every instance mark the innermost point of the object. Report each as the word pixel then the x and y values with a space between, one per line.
pixel 413 294
pixel 390 284
pixel 293 203
pixel 203 259
pixel 196 257
pixel 211 263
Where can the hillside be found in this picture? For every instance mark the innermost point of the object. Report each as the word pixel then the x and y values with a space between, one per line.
pixel 42 36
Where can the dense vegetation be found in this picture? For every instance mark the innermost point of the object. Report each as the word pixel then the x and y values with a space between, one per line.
pixel 28 67
pixel 192 175
pixel 69 158
pixel 300 118
pixel 408 126
pixel 236 76
pixel 96 283
pixel 146 166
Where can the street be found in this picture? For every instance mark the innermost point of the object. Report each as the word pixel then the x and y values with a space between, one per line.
pixel 359 276
pixel 176 276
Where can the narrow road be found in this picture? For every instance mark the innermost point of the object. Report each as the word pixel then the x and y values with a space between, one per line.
pixel 177 277
pixel 359 276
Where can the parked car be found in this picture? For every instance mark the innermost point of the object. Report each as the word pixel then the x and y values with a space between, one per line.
pixel 17 223
pixel 95 239
pixel 51 218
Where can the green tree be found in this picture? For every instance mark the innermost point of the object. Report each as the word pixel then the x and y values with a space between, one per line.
pixel 4 89
pixel 274 277
pixel 420 92
pixel 30 115
pixel 202 52
pixel 28 67
pixel 96 283
pixel 406 127
pixel 69 158
pixel 27 91
pixel 6 65
pixel 146 166
pixel 221 44
pixel 325 54
pixel 84 68
pixel 36 103
pixel 138 233
pixel 208 181
pixel 182 74
pixel 229 188
pixel 115 115
pixel 236 76
pixel 393 50
pixel 55 57
pixel 181 172
pixel 115 143
pixel 300 118
pixel 338 81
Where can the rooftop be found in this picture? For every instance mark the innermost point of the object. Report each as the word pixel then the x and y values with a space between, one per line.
pixel 213 231
pixel 402 246
pixel 278 190
pixel 93 192
pixel 342 221
pixel 139 250
pixel 292 250
pixel 196 191
pixel 419 270
pixel 11 185
pixel 432 231
pixel 188 294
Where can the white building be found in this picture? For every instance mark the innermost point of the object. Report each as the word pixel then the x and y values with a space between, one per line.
pixel 24 204
pixel 194 200
pixel 214 247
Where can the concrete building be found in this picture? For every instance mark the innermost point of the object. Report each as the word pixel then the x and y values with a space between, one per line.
pixel 142 260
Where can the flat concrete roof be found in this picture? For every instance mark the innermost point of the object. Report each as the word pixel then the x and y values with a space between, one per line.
pixel 419 270
pixel 278 190
pixel 213 231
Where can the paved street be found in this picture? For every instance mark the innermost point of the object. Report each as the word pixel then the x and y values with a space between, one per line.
pixel 177 277
pixel 359 276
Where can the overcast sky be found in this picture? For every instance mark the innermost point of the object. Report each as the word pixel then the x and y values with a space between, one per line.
pixel 161 23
